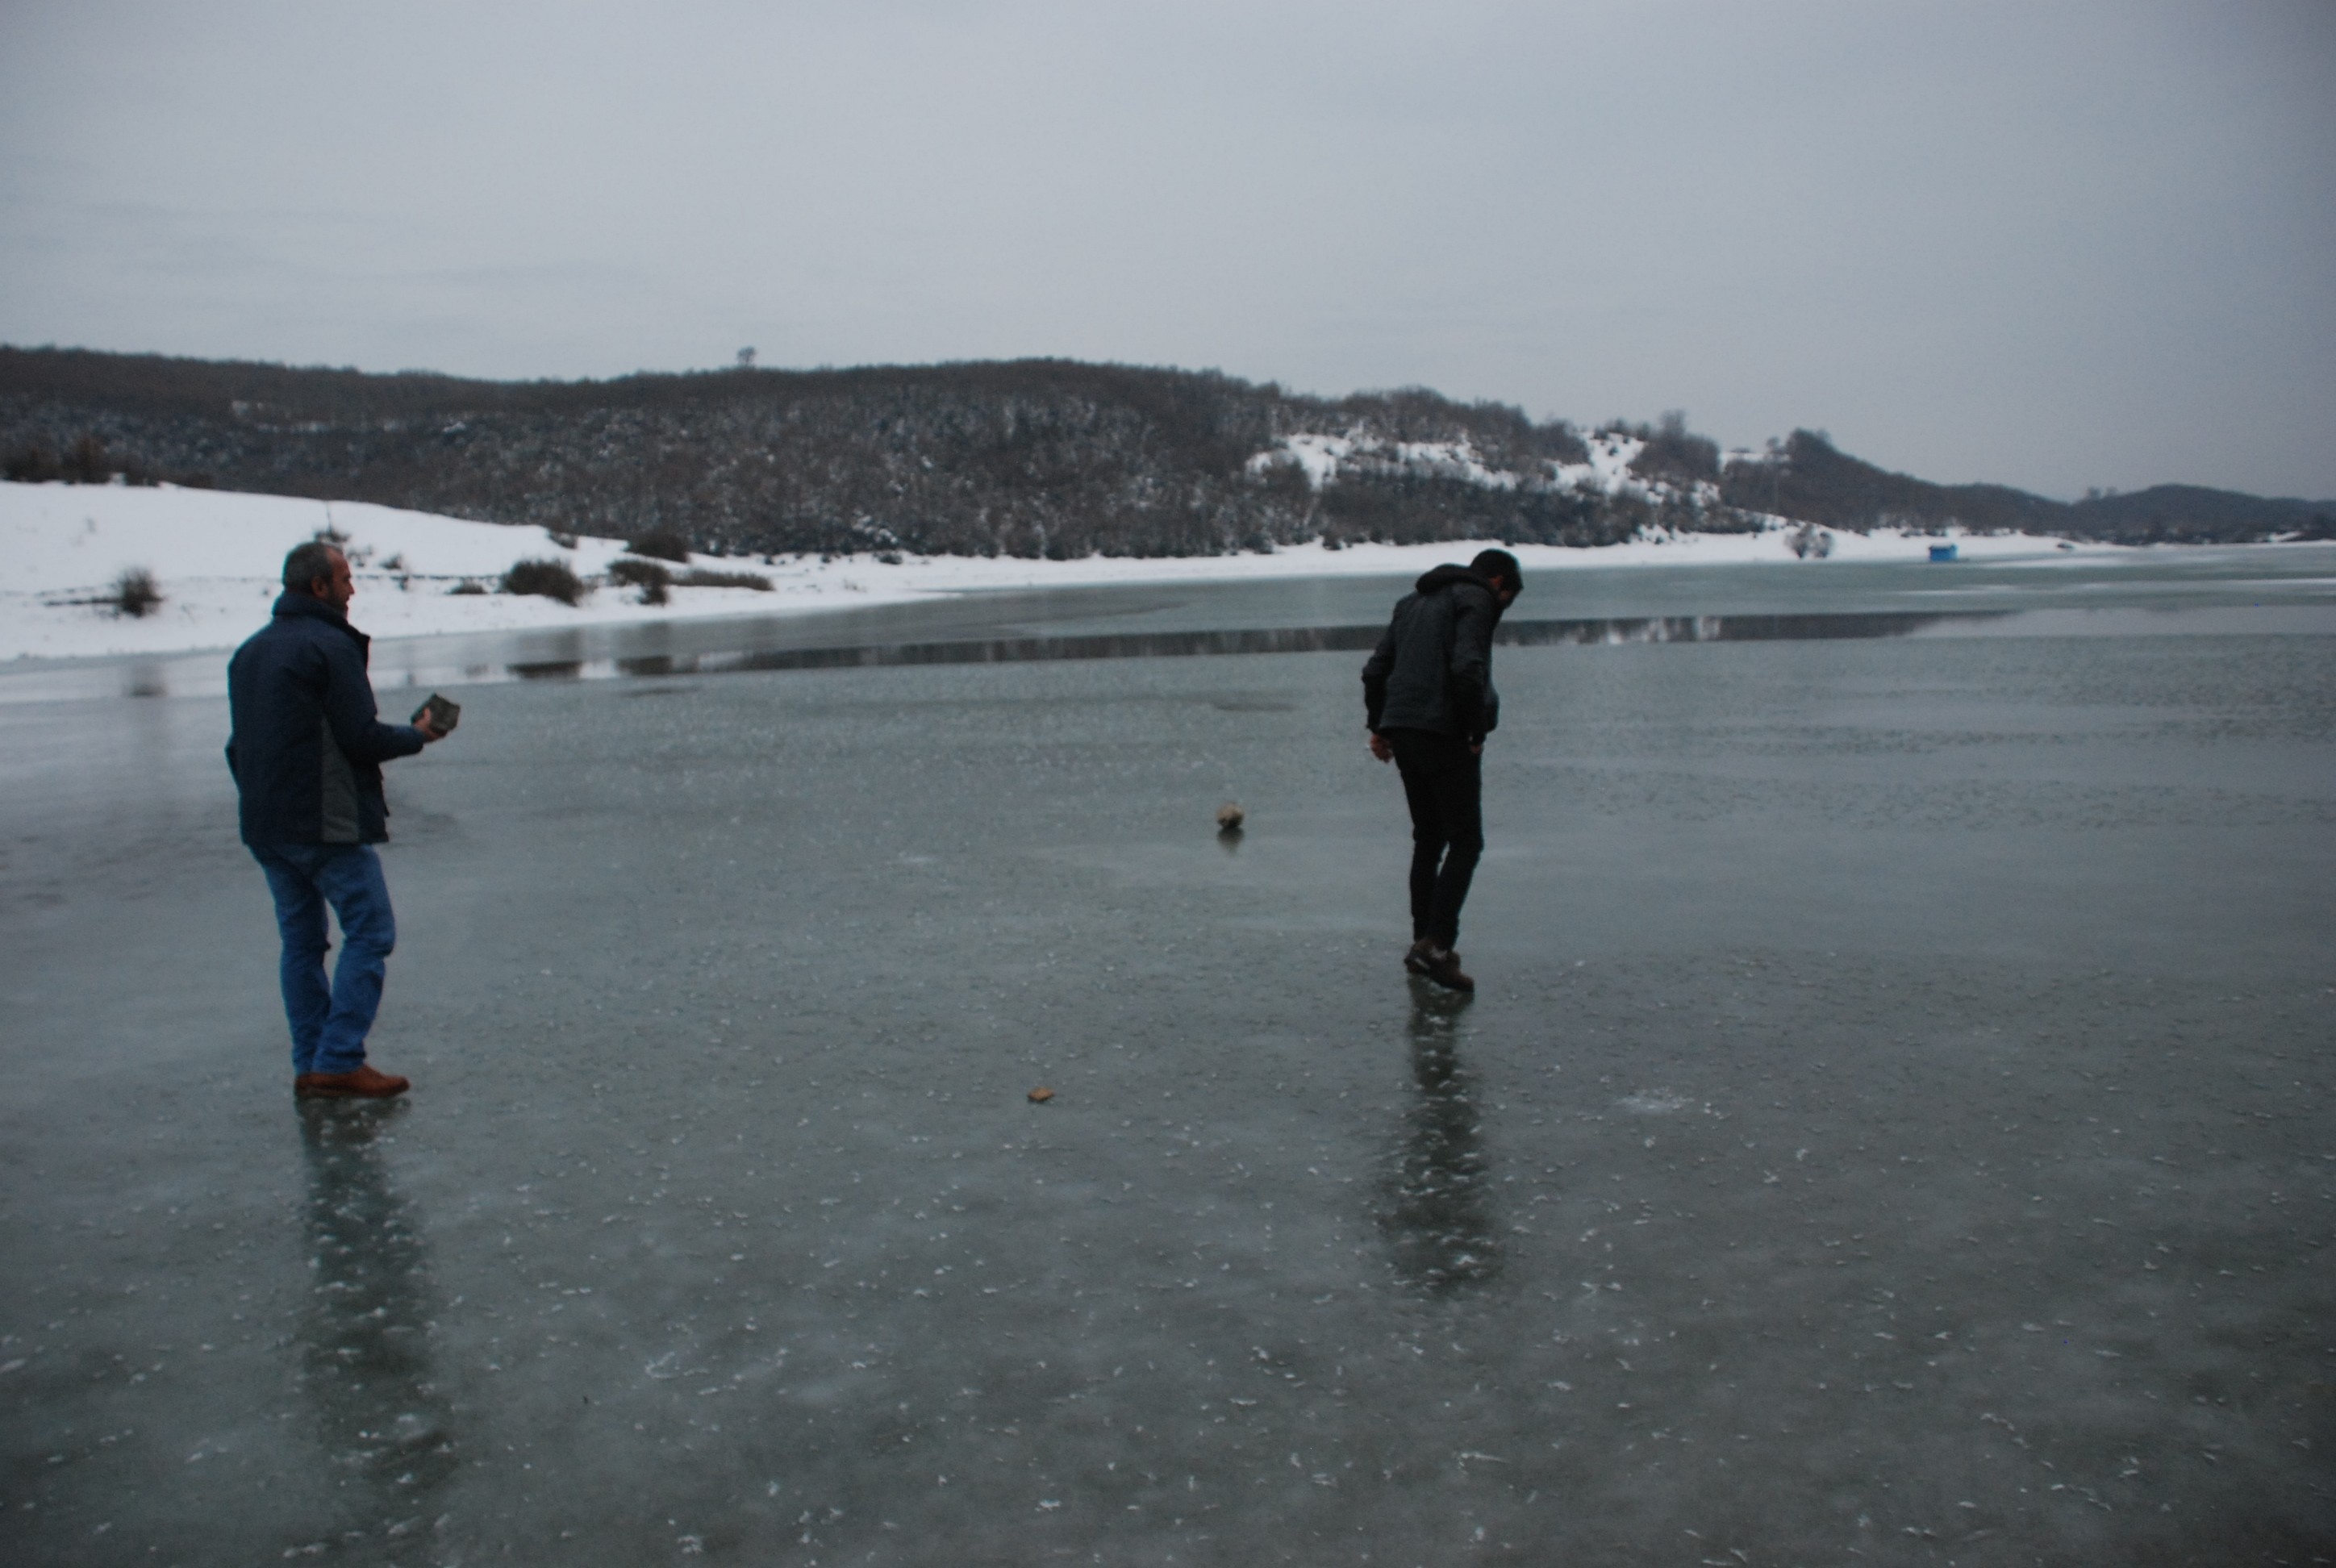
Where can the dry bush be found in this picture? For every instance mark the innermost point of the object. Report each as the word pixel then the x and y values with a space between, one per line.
pixel 654 581
pixel 135 593
pixel 637 573
pixel 545 580
pixel 700 577
pixel 1808 540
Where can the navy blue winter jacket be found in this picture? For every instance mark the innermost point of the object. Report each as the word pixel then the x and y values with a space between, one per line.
pixel 1433 670
pixel 305 743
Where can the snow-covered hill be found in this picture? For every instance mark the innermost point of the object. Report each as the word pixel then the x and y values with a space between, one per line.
pixel 1606 472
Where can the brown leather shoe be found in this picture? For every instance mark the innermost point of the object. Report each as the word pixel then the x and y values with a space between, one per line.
pixel 1415 960
pixel 361 1084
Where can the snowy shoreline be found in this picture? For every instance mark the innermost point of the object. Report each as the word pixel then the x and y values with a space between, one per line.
pixel 214 556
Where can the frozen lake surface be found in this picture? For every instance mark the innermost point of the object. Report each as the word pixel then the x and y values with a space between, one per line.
pixel 1894 1126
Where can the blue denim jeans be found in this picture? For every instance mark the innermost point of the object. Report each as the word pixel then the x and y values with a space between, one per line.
pixel 329 1023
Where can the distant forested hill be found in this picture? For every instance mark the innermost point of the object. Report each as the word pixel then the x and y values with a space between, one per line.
pixel 1029 457
pixel 1804 478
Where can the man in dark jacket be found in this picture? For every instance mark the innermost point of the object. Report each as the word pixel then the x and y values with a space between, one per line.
pixel 305 749
pixel 1429 703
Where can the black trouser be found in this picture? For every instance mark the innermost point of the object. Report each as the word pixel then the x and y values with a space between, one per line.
pixel 1443 782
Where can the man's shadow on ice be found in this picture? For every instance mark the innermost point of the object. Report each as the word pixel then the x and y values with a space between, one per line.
pixel 1438 1219
pixel 385 1424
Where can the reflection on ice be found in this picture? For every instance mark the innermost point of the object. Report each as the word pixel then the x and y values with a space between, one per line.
pixel 1605 630
pixel 381 1415
pixel 2238 591
pixel 1439 1220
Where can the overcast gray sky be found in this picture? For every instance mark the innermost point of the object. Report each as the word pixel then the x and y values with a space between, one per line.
pixel 2058 245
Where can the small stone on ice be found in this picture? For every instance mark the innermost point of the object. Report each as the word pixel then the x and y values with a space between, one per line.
pixel 1230 818
pixel 1041 1095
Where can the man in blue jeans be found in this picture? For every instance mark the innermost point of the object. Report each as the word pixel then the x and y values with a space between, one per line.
pixel 306 746
pixel 1428 703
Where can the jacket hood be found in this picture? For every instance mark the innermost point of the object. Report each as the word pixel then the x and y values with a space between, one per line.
pixel 1447 576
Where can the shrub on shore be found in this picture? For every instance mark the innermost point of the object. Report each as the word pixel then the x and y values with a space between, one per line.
pixel 654 581
pixel 702 577
pixel 545 580
pixel 1809 541
pixel 135 593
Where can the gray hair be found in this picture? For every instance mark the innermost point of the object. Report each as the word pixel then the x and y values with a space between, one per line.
pixel 306 563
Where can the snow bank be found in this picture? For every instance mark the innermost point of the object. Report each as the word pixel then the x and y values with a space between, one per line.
pixel 216 556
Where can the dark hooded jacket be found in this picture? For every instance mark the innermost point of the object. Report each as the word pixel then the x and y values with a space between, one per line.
pixel 1433 670
pixel 306 743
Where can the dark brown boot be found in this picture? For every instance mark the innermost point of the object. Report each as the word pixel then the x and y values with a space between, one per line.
pixel 360 1084
pixel 1415 960
pixel 1443 968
